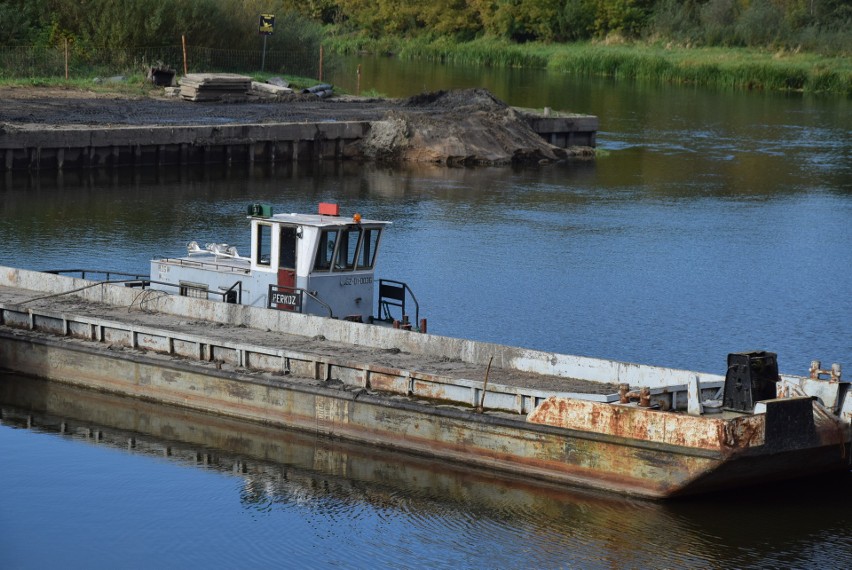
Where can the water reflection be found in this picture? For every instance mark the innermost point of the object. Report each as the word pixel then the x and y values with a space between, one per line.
pixel 435 501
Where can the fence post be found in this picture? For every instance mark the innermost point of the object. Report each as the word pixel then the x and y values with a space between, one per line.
pixel 320 67
pixel 66 59
pixel 358 83
pixel 183 42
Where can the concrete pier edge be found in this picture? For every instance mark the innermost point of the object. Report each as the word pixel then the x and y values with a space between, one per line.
pixel 45 148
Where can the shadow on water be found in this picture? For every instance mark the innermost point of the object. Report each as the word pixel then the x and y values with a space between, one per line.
pixel 281 468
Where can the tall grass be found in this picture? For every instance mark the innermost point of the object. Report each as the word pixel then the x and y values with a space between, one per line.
pixel 718 67
pixel 483 51
pixel 729 68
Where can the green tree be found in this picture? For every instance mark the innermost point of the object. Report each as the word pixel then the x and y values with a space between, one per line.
pixel 626 17
pixel 20 21
pixel 576 20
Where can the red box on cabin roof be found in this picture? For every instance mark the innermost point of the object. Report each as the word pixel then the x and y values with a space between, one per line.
pixel 329 209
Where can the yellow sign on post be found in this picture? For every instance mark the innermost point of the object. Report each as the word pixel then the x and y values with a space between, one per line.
pixel 265 28
pixel 267 24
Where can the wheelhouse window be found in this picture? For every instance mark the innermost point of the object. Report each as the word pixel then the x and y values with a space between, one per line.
pixel 263 254
pixel 325 250
pixel 369 247
pixel 347 249
pixel 347 252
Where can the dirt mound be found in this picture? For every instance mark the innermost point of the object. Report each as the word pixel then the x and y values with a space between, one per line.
pixel 459 100
pixel 463 127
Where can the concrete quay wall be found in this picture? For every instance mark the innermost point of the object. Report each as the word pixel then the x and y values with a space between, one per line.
pixel 94 147
pixel 565 132
pixel 33 148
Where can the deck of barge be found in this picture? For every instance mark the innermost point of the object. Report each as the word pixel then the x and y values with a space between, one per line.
pixel 315 347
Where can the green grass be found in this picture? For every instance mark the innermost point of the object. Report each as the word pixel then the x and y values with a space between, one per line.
pixel 717 67
pixel 133 85
pixel 737 68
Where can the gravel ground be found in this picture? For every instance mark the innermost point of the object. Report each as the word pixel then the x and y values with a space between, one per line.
pixel 58 107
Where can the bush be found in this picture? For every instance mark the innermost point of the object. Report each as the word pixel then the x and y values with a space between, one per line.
pixel 760 25
pixel 576 20
pixel 717 20
pixel 677 20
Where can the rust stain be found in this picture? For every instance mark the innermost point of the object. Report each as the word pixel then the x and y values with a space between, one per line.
pixel 651 425
pixel 238 391
pixel 430 390
pixel 384 382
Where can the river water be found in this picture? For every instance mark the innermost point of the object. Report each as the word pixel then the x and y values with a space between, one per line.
pixel 711 222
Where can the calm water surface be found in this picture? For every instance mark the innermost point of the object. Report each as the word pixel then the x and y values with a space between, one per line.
pixel 713 222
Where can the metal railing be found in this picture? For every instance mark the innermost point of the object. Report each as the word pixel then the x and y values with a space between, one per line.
pixel 208 264
pixel 236 287
pixel 108 274
pixel 393 294
pixel 143 282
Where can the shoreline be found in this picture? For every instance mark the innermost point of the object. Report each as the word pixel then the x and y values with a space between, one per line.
pixel 723 68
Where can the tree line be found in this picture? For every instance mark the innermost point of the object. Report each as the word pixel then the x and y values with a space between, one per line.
pixel 812 24
pixel 816 25
pixel 118 24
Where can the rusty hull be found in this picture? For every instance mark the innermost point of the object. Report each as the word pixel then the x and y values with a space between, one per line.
pixel 790 437
pixel 613 460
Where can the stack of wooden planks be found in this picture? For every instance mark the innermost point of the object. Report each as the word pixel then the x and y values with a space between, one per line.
pixel 213 86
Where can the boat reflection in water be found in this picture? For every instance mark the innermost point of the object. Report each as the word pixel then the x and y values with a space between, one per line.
pixel 281 467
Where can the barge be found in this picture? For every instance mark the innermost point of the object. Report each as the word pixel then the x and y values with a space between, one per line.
pixel 633 429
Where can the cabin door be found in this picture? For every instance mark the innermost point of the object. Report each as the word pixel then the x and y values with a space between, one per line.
pixel 287 262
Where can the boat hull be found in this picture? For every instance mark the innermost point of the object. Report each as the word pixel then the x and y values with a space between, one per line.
pixel 632 466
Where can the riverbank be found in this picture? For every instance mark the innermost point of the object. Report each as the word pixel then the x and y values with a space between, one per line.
pixel 723 68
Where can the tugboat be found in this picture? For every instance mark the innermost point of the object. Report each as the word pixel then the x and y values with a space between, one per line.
pixel 317 264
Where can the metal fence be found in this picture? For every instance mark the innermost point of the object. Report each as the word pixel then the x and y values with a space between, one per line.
pixel 73 62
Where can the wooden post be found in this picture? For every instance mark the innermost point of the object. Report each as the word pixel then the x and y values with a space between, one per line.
pixel 183 42
pixel 358 83
pixel 66 59
pixel 322 54
pixel 481 407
